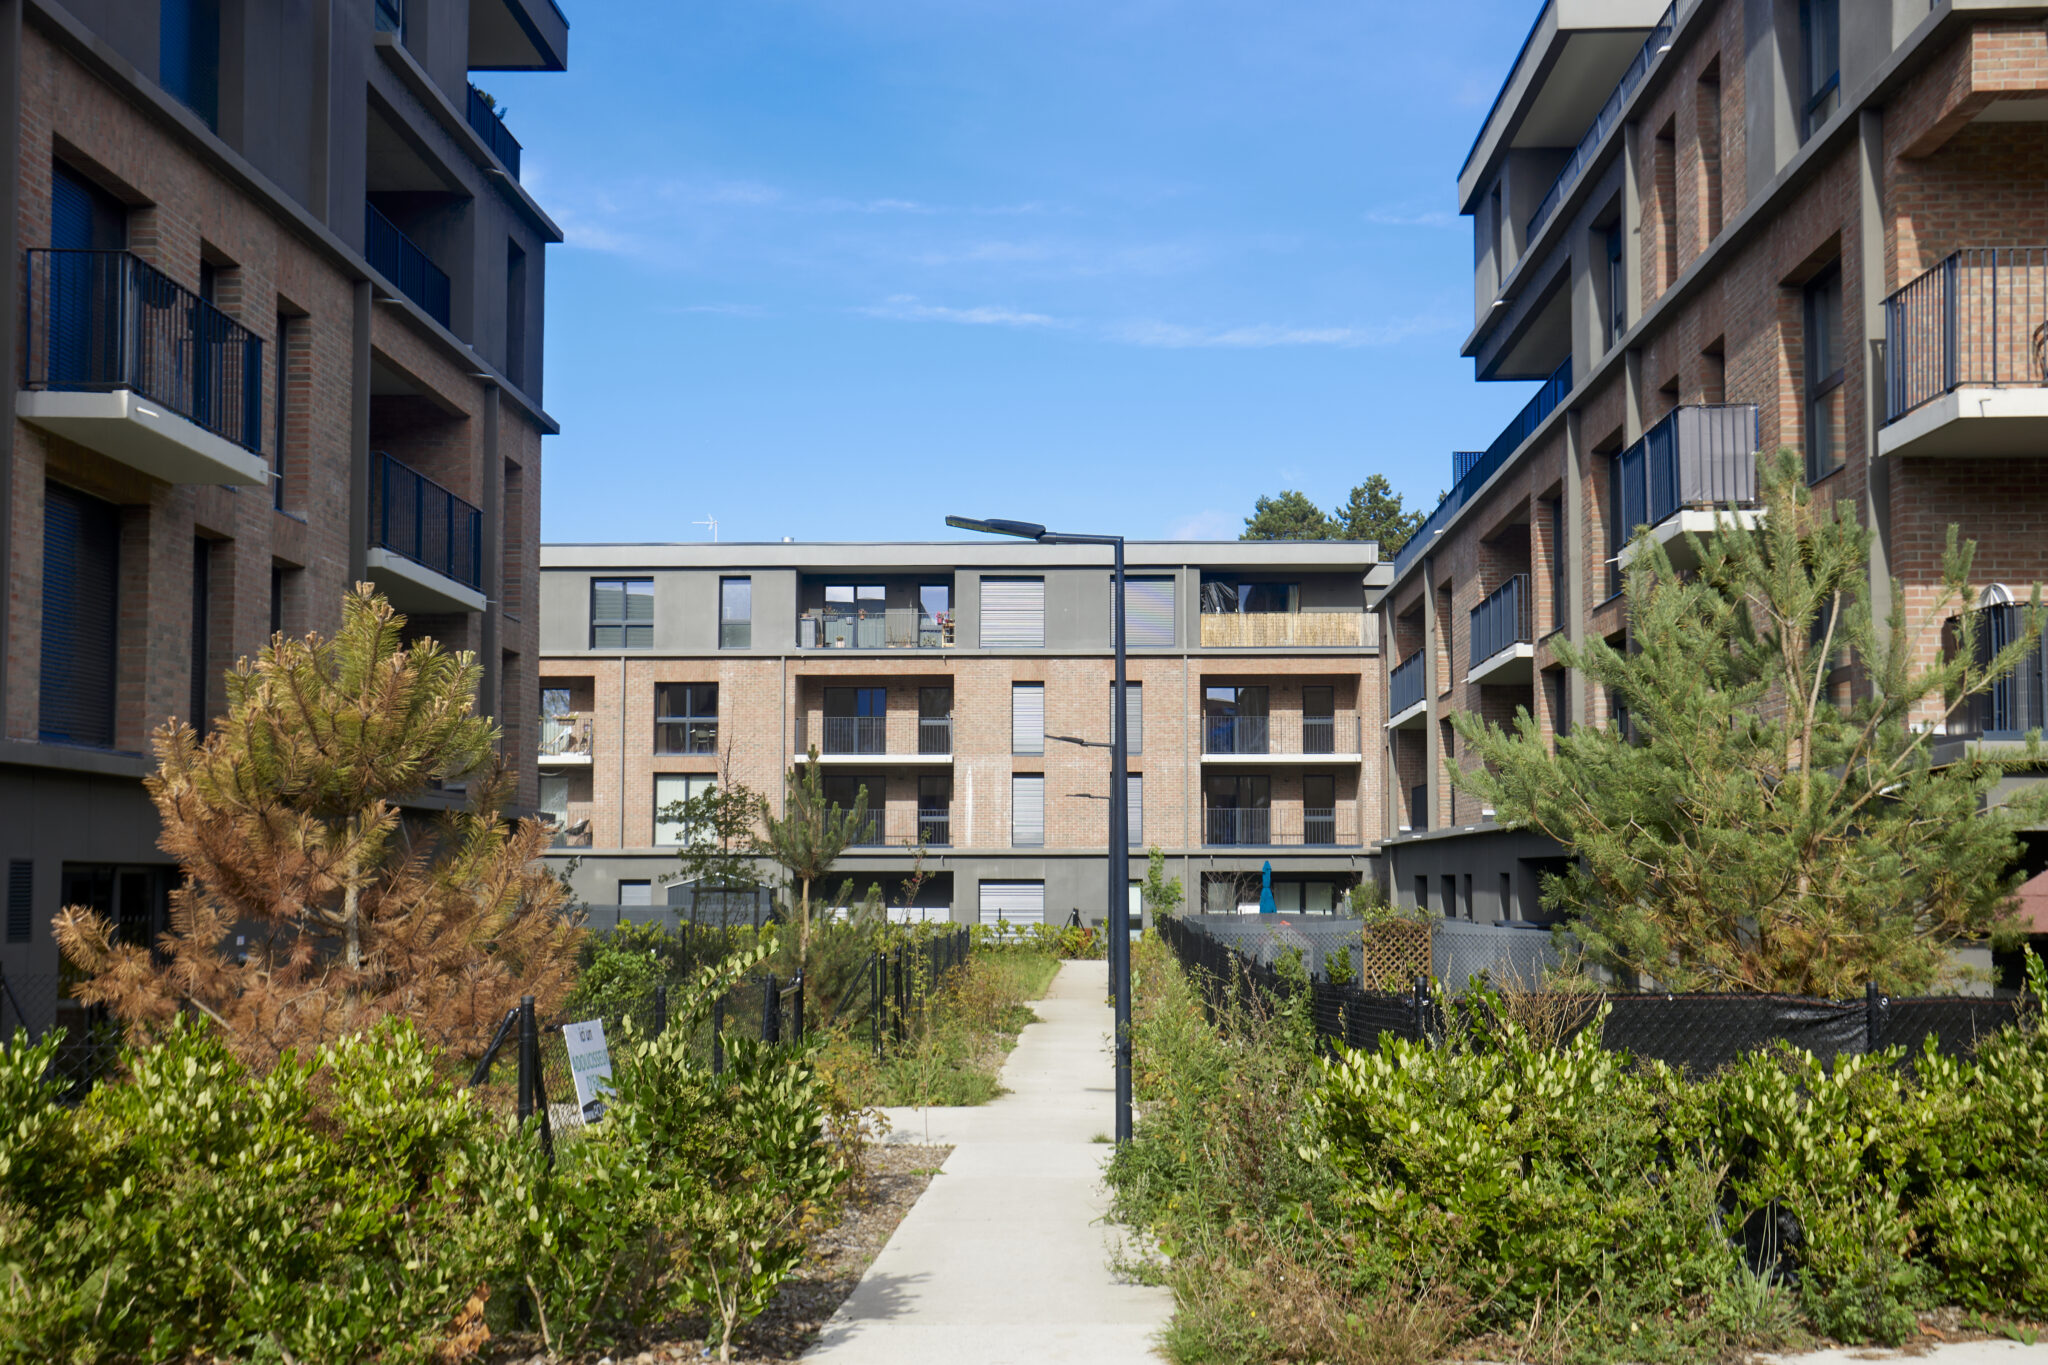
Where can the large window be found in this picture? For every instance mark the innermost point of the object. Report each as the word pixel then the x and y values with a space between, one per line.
pixel 1318 808
pixel 1319 719
pixel 686 718
pixel 856 720
pixel 1826 399
pixel 1238 809
pixel 1027 810
pixel 1820 31
pixel 935 809
pixel 1553 515
pixel 1228 596
pixel 1012 613
pixel 935 720
pixel 81 573
pixel 735 613
pixel 1617 287
pixel 622 613
pixel 845 790
pixel 671 790
pixel 1027 718
pixel 1235 720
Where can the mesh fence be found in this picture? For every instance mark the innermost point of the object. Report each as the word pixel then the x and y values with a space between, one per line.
pixel 1696 1034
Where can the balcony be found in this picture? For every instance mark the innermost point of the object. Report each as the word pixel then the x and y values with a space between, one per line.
pixel 426 544
pixel 888 628
pixel 398 259
pixel 1603 123
pixel 935 735
pixel 565 741
pixel 1471 469
pixel 489 125
pixel 1966 357
pixel 1286 734
pixel 1276 827
pixel 124 361
pixel 1686 474
pixel 1404 692
pixel 935 827
pixel 2014 705
pixel 899 828
pixel 866 738
pixel 1283 630
pixel 1503 635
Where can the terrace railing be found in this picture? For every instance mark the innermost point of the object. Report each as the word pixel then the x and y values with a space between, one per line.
pixel 1404 683
pixel 1700 455
pixel 399 259
pixel 1604 122
pixel 413 516
pixel 98 321
pixel 1505 619
pixel 489 125
pixel 1978 319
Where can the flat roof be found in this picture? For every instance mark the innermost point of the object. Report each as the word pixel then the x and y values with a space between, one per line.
pixel 1362 555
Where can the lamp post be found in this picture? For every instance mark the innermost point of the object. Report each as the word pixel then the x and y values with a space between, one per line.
pixel 1119 818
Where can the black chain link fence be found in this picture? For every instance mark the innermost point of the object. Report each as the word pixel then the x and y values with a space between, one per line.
pixel 1697 1034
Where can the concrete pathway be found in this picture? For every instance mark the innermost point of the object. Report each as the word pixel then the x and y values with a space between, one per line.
pixel 1945 1353
pixel 1002 1261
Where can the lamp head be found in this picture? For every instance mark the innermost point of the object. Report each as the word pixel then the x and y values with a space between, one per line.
pixel 996 526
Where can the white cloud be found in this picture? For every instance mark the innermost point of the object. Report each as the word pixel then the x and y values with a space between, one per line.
pixel 1206 525
pixel 907 308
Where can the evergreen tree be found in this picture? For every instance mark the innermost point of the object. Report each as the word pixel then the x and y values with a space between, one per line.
pixel 720 833
pixel 1762 825
pixel 1290 516
pixel 310 909
pixel 809 837
pixel 1375 513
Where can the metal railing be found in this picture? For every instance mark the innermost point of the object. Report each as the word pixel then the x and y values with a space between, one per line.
pixel 105 320
pixel 1473 474
pixel 1505 619
pixel 855 735
pixel 1404 683
pixel 399 259
pixel 2014 705
pixel 935 734
pixel 1604 123
pixel 1700 455
pixel 1236 734
pixel 1980 317
pixel 413 516
pixel 886 628
pixel 1276 827
pixel 1281 734
pixel 489 125
pixel 868 831
pixel 564 735
pixel 935 827
pixel 1283 630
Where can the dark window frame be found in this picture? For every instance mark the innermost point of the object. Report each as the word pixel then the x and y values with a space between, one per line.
pixel 1820 45
pixel 731 634
pixel 624 624
pixel 1821 313
pixel 681 733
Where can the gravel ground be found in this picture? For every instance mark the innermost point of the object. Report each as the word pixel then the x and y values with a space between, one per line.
pixel 897 1175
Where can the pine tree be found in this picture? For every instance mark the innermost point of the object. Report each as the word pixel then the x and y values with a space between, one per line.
pixel 1289 516
pixel 310 908
pixel 1773 816
pixel 1375 513
pixel 809 837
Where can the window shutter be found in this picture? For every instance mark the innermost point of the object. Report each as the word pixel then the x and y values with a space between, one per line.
pixel 1013 613
pixel 21 888
pixel 1148 612
pixel 81 554
pixel 1134 716
pixel 1134 808
pixel 1027 718
pixel 1027 810
pixel 1017 902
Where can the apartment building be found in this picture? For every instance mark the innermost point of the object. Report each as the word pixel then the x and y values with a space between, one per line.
pixel 1711 229
pixel 274 303
pixel 967 689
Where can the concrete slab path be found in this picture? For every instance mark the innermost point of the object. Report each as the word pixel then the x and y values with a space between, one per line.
pixel 1003 1261
pixel 1946 1353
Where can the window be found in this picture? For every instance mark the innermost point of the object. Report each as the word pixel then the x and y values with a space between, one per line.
pixel 1664 169
pixel 1826 408
pixel 934 615
pixel 1229 597
pixel 1027 718
pixel 735 613
pixel 136 900
pixel 81 574
pixel 935 809
pixel 1012 903
pixel 1422 893
pixel 1134 809
pixel 1027 810
pixel 1134 717
pixel 515 314
pixel 1319 808
pixel 554 798
pixel 1617 529
pixel 202 643
pixel 391 17
pixel 1707 102
pixel 636 892
pixel 1319 719
pixel 622 613
pixel 856 615
pixel 1507 897
pixel 1554 695
pixel 1553 516
pixel 21 891
pixel 1820 31
pixel 188 55
pixel 1235 721
pixel 856 720
pixel 1013 613
pixel 685 718
pixel 1238 809
pixel 1450 885
pixel 1148 613
pixel 935 720
pixel 282 350
pixel 671 790
pixel 1617 287
pixel 847 790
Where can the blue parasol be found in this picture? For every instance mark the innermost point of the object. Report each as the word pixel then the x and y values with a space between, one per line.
pixel 1267 906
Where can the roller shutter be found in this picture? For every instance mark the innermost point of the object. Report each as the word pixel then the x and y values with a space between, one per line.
pixel 1027 810
pixel 1016 902
pixel 1027 718
pixel 1148 612
pixel 1013 613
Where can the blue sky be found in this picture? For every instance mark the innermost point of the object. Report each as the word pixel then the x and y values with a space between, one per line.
pixel 836 268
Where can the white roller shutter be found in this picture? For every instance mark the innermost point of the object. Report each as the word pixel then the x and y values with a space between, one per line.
pixel 1013 613
pixel 1015 902
pixel 1027 810
pixel 1134 715
pixel 1148 612
pixel 1027 718
pixel 1134 808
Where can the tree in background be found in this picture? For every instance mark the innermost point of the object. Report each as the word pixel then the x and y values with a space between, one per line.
pixel 809 837
pixel 310 909
pixel 1373 512
pixel 1162 894
pixel 720 833
pixel 1753 827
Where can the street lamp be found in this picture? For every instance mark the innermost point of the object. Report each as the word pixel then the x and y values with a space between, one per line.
pixel 1119 816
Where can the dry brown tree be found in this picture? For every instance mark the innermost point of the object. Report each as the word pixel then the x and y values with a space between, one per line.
pixel 312 906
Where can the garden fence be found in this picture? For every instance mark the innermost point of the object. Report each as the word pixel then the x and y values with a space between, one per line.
pixel 1696 1034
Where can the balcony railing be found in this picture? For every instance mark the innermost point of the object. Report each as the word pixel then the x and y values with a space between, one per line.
pixel 1283 734
pixel 935 734
pixel 935 828
pixel 105 320
pixel 1276 827
pixel 1603 122
pixel 413 516
pixel 855 735
pixel 398 259
pixel 1472 474
pixel 490 126
pixel 1980 318
pixel 1404 684
pixel 561 736
pixel 868 830
pixel 888 628
pixel 1698 456
pixel 1505 619
pixel 2014 704
pixel 1283 630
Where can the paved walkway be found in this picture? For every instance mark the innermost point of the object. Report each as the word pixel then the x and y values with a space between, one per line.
pixel 1949 1353
pixel 1003 1261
